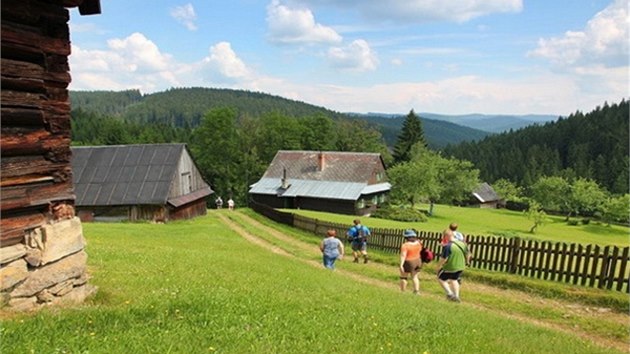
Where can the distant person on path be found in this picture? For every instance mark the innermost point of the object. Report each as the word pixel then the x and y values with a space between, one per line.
pixel 451 233
pixel 455 255
pixel 357 235
pixel 230 204
pixel 410 262
pixel 219 202
pixel 332 249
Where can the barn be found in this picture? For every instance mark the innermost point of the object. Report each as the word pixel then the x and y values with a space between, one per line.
pixel 42 248
pixel 156 182
pixel 352 183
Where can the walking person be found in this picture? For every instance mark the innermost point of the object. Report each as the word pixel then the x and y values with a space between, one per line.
pixel 455 255
pixel 410 262
pixel 357 235
pixel 451 233
pixel 332 249
pixel 219 202
pixel 231 204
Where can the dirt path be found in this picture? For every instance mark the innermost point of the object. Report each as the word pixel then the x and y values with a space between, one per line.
pixel 606 342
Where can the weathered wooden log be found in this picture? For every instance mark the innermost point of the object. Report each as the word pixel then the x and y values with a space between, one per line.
pixel 26 38
pixel 38 194
pixel 21 99
pixel 56 70
pixel 12 226
pixel 16 117
pixel 19 84
pixel 29 165
pixel 16 141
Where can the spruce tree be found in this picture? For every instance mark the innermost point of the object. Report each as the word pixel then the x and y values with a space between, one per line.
pixel 410 134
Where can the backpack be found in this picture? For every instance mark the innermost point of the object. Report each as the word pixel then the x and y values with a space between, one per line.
pixel 426 255
pixel 361 236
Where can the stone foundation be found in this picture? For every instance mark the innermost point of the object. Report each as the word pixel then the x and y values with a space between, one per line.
pixel 48 268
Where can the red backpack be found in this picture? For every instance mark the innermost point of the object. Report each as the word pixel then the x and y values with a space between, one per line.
pixel 426 255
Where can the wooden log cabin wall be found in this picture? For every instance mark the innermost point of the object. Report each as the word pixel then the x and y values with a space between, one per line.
pixel 42 249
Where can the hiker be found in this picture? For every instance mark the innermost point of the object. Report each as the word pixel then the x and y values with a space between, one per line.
pixel 332 249
pixel 231 204
pixel 219 202
pixel 451 233
pixel 455 255
pixel 410 262
pixel 357 235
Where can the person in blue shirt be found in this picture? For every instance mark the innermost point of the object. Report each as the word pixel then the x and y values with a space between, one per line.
pixel 332 249
pixel 357 235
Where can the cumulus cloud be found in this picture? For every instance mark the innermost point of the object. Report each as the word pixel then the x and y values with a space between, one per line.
pixel 603 42
pixel 136 62
pixel 185 15
pixel 296 26
pixel 223 65
pixel 357 56
pixel 420 11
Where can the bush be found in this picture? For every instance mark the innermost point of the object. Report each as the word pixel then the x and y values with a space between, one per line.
pixel 572 222
pixel 400 214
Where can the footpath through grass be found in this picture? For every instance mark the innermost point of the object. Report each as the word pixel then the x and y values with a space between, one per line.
pixel 199 287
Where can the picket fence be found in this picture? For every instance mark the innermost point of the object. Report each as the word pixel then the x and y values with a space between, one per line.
pixel 604 267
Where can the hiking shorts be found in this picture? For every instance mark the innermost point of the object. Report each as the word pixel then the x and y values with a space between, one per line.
pixel 412 265
pixel 444 276
pixel 359 246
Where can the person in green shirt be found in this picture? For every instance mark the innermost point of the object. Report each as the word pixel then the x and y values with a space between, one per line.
pixel 455 255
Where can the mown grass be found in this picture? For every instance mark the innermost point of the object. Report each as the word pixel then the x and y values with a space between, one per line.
pixel 197 287
pixel 496 222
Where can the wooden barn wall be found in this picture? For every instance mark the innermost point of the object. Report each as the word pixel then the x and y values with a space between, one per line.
pixel 38 226
pixel 188 178
pixel 189 211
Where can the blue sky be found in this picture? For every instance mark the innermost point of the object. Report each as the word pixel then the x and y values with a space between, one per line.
pixel 389 56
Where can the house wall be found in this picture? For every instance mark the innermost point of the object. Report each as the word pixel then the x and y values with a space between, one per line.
pixel 42 253
pixel 188 178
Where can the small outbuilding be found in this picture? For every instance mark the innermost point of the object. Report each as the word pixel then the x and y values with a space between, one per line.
pixel 484 196
pixel 156 182
pixel 352 183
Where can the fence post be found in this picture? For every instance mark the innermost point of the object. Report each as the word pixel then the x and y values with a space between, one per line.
pixel 514 255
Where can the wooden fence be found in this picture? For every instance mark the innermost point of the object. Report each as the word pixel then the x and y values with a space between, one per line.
pixel 593 266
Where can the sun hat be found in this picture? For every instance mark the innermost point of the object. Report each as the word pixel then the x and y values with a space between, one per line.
pixel 409 233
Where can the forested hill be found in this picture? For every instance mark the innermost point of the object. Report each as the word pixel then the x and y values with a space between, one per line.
pixel 592 145
pixel 184 108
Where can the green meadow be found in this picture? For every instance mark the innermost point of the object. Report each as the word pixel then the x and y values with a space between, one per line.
pixel 497 222
pixel 200 286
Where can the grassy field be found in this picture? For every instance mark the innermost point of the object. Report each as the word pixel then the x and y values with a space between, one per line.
pixel 497 222
pixel 200 287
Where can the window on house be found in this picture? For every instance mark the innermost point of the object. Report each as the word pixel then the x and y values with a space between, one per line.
pixel 185 183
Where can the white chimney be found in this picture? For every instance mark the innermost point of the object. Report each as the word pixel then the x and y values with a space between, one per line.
pixel 284 181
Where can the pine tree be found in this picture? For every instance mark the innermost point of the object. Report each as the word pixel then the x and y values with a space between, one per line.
pixel 410 134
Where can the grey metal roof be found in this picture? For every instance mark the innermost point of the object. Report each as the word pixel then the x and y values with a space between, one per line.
pixel 124 174
pixel 485 193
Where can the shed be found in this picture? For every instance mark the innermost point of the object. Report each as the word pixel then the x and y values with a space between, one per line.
pixel 351 183
pixel 484 196
pixel 42 254
pixel 157 182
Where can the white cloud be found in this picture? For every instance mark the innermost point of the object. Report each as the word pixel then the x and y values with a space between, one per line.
pixel 296 26
pixel 136 62
pixel 604 41
pixel 223 65
pixel 420 11
pixel 357 56
pixel 185 15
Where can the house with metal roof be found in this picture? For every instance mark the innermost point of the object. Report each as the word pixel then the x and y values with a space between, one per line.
pixel 157 182
pixel 351 183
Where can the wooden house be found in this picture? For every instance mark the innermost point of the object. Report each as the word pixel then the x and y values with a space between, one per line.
pixel 157 182
pixel 484 196
pixel 338 182
pixel 42 256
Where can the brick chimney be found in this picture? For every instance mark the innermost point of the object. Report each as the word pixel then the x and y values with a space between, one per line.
pixel 321 161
